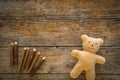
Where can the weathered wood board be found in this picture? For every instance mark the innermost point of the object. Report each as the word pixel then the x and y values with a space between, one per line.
pixel 54 27
pixel 54 77
pixel 59 9
pixel 58 33
pixel 59 60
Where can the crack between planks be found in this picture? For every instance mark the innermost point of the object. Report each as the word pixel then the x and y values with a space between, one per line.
pixel 66 73
pixel 103 47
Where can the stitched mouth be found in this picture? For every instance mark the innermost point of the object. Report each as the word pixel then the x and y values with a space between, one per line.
pixel 90 48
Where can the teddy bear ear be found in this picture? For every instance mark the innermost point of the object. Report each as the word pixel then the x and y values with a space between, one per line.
pixel 84 37
pixel 100 41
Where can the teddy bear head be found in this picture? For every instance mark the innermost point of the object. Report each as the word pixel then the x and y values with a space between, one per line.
pixel 91 44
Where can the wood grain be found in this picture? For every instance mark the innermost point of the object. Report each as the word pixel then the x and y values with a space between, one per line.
pixel 59 60
pixel 54 77
pixel 54 27
pixel 59 9
pixel 58 33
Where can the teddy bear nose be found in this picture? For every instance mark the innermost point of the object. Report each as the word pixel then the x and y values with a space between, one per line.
pixel 92 45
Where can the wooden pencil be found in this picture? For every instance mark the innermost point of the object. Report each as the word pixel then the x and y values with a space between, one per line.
pixel 34 61
pixel 11 54
pixel 15 56
pixel 37 66
pixel 30 58
pixel 22 60
pixel 25 58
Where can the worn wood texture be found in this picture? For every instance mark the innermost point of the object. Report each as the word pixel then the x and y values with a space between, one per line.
pixel 59 9
pixel 59 60
pixel 53 77
pixel 54 27
pixel 58 33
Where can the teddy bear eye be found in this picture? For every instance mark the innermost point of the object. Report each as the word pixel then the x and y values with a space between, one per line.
pixel 96 43
pixel 89 41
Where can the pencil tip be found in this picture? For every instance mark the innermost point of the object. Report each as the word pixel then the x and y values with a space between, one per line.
pixel 25 48
pixel 34 49
pixel 44 58
pixel 16 43
pixel 38 52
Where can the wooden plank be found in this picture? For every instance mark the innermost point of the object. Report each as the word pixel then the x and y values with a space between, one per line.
pixel 54 77
pixel 59 60
pixel 33 23
pixel 58 33
pixel 59 9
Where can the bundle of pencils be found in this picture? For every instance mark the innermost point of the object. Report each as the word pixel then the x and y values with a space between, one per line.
pixel 14 54
pixel 30 60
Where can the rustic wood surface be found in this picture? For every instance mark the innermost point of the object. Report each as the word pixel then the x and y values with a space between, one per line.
pixel 54 27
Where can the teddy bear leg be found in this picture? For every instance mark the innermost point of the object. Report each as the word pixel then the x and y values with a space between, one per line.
pixel 90 75
pixel 76 71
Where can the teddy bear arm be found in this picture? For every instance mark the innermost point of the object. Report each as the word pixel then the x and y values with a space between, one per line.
pixel 75 53
pixel 100 59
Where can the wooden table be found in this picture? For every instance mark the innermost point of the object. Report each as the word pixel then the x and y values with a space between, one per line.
pixel 54 27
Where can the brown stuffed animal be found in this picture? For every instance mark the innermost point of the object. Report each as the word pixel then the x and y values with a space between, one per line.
pixel 87 58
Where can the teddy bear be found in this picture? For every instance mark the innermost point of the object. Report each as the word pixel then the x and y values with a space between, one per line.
pixel 87 58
